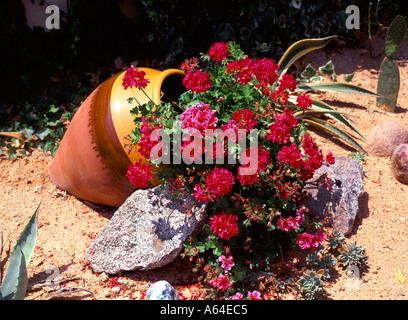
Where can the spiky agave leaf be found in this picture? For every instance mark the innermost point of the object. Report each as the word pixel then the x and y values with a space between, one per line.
pixel 339 87
pixel 326 126
pixel 299 49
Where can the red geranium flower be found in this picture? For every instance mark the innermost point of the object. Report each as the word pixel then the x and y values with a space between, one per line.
pixel 139 174
pixel 224 225
pixel 219 51
pixel 197 82
pixel 219 182
pixel 134 77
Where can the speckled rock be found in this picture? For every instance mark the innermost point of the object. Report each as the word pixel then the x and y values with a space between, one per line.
pixel 161 290
pixel 385 137
pixel 399 163
pixel 345 200
pixel 147 231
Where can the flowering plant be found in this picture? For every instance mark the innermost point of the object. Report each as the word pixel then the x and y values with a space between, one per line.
pixel 233 141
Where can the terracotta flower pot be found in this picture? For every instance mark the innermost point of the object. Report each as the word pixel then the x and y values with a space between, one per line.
pixel 92 160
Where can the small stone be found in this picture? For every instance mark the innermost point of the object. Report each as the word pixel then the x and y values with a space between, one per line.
pixel 399 163
pixel 115 290
pixel 103 277
pixel 385 137
pixel 107 293
pixel 161 290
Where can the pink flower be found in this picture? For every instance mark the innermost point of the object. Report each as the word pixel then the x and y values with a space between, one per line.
pixel 254 295
pixel 219 182
pixel 227 263
pixel 139 174
pixel 134 77
pixel 197 82
pixel 237 296
pixel 224 283
pixel 225 226
pixel 308 241
pixel 291 223
pixel 219 51
pixel 263 161
pixel 199 117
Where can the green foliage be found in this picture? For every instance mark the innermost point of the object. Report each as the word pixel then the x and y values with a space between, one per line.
pixel 389 77
pixel 311 286
pixel 44 130
pixel 14 284
pixel 313 116
pixel 354 255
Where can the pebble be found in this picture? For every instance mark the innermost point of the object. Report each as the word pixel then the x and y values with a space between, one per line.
pixel 107 293
pixel 115 290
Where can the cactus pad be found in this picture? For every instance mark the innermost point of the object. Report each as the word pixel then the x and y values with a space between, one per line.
pixel 395 35
pixel 388 85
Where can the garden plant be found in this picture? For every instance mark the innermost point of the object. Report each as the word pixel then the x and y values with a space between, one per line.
pixel 237 140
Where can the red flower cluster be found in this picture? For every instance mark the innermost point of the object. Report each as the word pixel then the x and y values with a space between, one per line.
pixel 292 155
pixel 308 241
pixel 279 130
pixel 199 117
pixel 245 119
pixel 219 182
pixel 286 83
pixel 304 102
pixel 134 77
pixel 219 51
pixel 264 71
pixel 263 161
pixel 330 159
pixel 242 69
pixel 224 225
pixel 146 144
pixel 314 160
pixel 139 174
pixel 197 82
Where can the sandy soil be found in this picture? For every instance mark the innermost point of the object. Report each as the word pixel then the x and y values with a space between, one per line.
pixel 67 226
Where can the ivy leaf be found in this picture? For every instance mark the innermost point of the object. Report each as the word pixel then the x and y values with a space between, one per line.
pixel 308 72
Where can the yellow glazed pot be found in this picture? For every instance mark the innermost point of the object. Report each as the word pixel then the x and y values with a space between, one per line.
pixel 92 160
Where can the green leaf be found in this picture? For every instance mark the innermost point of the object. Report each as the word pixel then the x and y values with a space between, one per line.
pixel 320 107
pixel 349 77
pixel 335 87
pixel 308 72
pixel 298 49
pixel 322 124
pixel 28 237
pixel 16 280
pixel 327 69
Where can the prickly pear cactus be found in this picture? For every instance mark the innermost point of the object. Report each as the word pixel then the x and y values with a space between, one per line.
pixel 388 85
pixel 389 78
pixel 395 35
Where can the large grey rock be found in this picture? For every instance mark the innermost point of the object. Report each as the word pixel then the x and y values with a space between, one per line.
pixel 161 290
pixel 147 231
pixel 346 198
pixel 385 137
